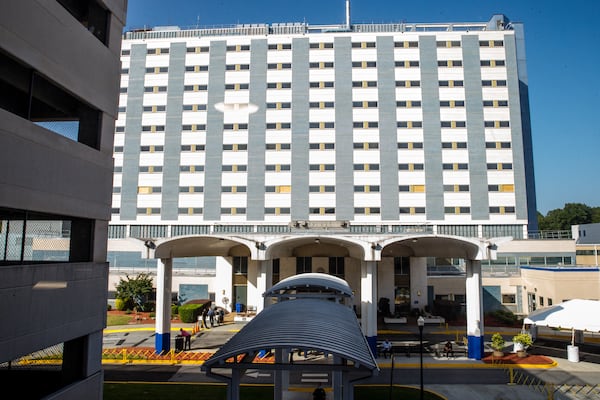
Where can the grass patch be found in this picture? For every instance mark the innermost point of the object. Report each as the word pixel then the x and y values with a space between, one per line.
pixel 112 319
pixel 199 391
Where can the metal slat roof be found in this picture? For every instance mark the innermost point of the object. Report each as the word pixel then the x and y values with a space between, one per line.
pixel 312 280
pixel 307 324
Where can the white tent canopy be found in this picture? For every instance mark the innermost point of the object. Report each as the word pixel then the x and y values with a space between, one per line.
pixel 577 314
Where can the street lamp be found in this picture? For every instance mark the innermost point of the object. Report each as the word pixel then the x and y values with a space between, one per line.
pixel 421 323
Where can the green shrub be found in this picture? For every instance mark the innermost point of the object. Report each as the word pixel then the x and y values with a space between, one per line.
pixel 505 317
pixel 523 338
pixel 189 312
pixel 152 315
pixel 120 304
pixel 108 307
pixel 497 342
pixel 174 309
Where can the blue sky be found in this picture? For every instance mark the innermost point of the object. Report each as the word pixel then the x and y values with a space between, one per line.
pixel 562 41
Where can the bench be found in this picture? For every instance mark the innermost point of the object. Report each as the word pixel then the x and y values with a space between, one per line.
pixel 438 349
pixel 434 319
pixel 394 320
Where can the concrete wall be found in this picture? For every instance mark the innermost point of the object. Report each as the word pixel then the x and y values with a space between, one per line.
pixel 49 304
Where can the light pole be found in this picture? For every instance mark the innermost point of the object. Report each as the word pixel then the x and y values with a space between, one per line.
pixel 392 376
pixel 421 323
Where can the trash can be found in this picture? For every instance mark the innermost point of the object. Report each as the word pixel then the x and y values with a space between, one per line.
pixel 238 307
pixel 179 343
pixel 573 353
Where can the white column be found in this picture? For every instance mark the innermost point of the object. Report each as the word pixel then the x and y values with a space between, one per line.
pixel 368 294
pixel 418 283
pixel 474 309
pixel 164 276
pixel 385 281
pixel 261 284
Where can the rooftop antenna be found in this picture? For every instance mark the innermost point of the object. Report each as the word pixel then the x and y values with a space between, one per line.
pixel 348 14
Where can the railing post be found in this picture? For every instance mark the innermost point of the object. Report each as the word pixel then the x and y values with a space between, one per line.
pixel 550 391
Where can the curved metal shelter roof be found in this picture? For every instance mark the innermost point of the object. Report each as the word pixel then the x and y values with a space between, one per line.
pixel 307 324
pixel 313 280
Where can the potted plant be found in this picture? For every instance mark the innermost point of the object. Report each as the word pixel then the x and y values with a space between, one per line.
pixel 521 342
pixel 498 344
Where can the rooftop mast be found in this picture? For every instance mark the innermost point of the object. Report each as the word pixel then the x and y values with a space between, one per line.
pixel 348 14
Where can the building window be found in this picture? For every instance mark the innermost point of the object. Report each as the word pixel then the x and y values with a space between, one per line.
pixel 448 43
pixel 336 266
pixel 457 210
pixel 509 299
pixel 91 14
pixel 408 84
pixel 406 64
pixel 31 237
pixel 275 268
pixel 450 63
pixel 303 265
pixel 240 265
pixel 401 265
pixel 411 210
pixel 495 103
pixel 29 95
pixel 406 45
pixel 408 103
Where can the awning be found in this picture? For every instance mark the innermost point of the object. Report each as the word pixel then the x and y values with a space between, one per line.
pixel 577 314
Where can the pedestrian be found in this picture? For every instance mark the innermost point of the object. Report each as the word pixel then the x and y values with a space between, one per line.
pixel 204 315
pixel 319 393
pixel 211 317
pixel 448 349
pixel 387 348
pixel 187 338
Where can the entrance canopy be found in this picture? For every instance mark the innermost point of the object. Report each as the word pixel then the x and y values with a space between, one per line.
pixel 577 314
pixel 304 324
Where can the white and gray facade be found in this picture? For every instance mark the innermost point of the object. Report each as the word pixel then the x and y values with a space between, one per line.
pixel 59 84
pixel 357 150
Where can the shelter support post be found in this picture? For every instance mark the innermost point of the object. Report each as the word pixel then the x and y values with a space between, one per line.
pixel 348 387
pixel 164 276
pixel 368 292
pixel 474 310
pixel 282 377
pixel 234 388
pixel 337 380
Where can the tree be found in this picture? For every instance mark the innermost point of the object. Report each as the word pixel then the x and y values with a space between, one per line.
pixel 135 291
pixel 595 215
pixel 563 219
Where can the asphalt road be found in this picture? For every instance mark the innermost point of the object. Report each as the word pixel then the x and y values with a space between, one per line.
pixel 149 373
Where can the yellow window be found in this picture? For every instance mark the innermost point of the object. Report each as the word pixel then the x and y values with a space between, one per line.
pixel 144 189
pixel 507 188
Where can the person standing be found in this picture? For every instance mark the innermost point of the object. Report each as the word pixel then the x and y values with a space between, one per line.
pixel 204 316
pixel 211 317
pixel 187 338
